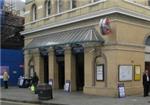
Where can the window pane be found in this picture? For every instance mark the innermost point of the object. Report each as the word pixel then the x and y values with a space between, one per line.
pixel 74 4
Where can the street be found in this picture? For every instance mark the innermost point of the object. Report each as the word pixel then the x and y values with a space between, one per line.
pixel 15 103
pixel 21 103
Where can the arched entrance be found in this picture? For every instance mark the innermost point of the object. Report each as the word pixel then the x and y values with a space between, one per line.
pixel 147 54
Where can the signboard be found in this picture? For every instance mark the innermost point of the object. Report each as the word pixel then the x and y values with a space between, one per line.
pixel 137 72
pixel 125 72
pixel 50 82
pixel 105 27
pixel 77 50
pixel 67 86
pixel 2 70
pixel 100 72
pixel 121 90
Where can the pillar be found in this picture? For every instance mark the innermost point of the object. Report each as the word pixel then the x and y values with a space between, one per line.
pixel 70 73
pixel 53 68
pixel 38 65
pixel 88 67
pixel 26 61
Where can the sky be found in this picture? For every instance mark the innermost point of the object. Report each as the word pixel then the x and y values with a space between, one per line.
pixel 18 4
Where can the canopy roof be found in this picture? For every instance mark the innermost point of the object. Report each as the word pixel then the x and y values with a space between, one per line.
pixel 80 35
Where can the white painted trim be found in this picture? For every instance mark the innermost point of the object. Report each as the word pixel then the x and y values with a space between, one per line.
pixel 90 16
pixel 147 57
pixel 58 6
pixel 137 4
pixel 74 9
pixel 147 49
pixel 40 7
pixel 70 3
pixel 131 23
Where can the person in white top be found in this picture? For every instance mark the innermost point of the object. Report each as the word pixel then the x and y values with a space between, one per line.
pixel 146 83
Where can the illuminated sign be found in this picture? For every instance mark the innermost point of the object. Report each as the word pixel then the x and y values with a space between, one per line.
pixel 104 25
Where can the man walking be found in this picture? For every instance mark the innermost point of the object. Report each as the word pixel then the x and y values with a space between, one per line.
pixel 146 83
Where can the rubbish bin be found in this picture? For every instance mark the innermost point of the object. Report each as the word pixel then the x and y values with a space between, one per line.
pixel 44 92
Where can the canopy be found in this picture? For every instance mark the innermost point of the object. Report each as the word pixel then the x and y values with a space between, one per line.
pixel 80 35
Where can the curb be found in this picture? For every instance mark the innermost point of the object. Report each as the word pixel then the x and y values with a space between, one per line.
pixel 24 101
pixel 32 102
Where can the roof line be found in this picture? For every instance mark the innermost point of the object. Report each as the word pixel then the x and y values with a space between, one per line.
pixel 90 16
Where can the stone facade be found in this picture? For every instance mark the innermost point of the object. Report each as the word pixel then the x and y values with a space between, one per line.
pixel 125 45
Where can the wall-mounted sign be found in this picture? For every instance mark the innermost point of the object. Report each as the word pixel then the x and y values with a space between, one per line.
pixel 100 72
pixel 2 70
pixel 104 26
pixel 125 72
pixel 137 72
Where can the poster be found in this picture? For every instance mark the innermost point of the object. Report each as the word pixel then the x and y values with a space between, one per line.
pixel 100 72
pixel 50 82
pixel 121 90
pixel 125 72
pixel 2 70
pixel 67 86
pixel 137 72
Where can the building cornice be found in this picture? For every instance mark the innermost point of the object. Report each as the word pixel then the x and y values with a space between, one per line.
pixel 90 16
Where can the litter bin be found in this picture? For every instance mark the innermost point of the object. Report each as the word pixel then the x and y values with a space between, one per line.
pixel 44 92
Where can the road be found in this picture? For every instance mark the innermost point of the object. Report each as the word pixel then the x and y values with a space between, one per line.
pixel 20 103
pixel 15 103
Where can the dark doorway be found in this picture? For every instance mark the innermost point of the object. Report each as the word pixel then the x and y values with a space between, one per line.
pixel 46 73
pixel 61 73
pixel 79 57
pixel 147 66
pixel 44 55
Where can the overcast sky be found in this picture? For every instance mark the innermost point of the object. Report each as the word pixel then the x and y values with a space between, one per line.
pixel 17 4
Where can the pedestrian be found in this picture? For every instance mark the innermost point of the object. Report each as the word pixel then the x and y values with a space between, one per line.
pixel 34 80
pixel 5 79
pixel 146 83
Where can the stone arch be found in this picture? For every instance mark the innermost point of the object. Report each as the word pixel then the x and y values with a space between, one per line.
pixel 101 59
pixel 147 41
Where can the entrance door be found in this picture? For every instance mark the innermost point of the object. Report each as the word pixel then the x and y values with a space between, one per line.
pixel 61 73
pixel 46 76
pixel 79 71
pixel 147 66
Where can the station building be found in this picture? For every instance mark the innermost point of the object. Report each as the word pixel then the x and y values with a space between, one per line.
pixel 93 45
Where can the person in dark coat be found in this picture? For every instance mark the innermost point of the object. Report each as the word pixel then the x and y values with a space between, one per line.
pixel 35 80
pixel 146 83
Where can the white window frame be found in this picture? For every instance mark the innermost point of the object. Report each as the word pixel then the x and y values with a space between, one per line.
pixel 58 6
pixel 47 7
pixel 34 17
pixel 94 1
pixel 71 4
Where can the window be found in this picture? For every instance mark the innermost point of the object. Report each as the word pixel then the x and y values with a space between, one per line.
pixel 47 7
pixel 95 0
pixel 34 12
pixel 59 6
pixel 149 2
pixel 73 4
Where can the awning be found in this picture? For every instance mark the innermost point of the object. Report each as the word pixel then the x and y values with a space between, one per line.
pixel 80 35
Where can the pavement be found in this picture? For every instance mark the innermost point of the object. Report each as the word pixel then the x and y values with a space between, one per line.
pixel 60 97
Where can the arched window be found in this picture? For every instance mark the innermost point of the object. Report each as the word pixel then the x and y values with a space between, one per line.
pixel 95 0
pixel 147 42
pixel 34 13
pixel 73 4
pixel 59 6
pixel 47 7
pixel 149 2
